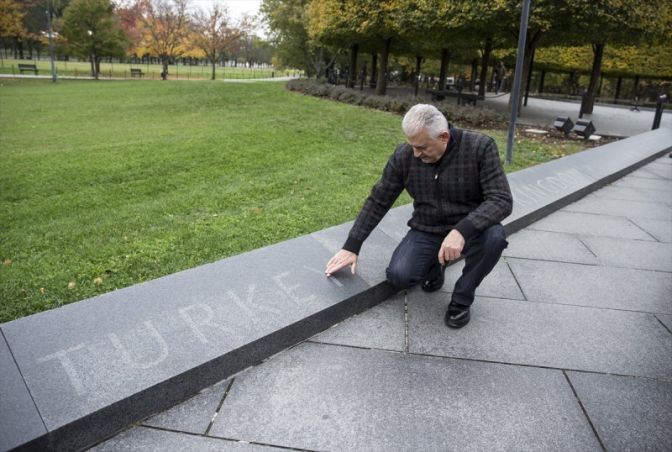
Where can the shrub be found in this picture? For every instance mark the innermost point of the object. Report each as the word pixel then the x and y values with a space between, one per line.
pixel 464 115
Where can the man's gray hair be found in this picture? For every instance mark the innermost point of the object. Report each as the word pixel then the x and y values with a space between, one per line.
pixel 424 116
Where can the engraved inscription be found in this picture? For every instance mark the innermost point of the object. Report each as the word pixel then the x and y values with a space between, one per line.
pixel 196 324
pixel 201 320
pixel 70 371
pixel 126 355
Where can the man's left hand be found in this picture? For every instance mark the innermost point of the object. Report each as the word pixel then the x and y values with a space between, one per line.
pixel 452 247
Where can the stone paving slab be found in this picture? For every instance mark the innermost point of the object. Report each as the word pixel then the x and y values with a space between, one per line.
pixel 373 257
pixel 628 194
pixel 394 224
pixel 631 253
pixel 382 326
pixel 590 224
pixel 193 415
pixel 628 209
pixel 645 173
pixel 553 246
pixel 339 398
pixel 667 320
pixel 540 334
pixel 143 439
pixel 658 229
pixel 628 413
pixel 141 341
pixel 19 418
pixel 661 171
pixel 659 185
pixel 597 286
pixel 499 283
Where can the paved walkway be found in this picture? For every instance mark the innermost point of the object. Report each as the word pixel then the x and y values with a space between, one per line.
pixel 569 348
pixel 613 120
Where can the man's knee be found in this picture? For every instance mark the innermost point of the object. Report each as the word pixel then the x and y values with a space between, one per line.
pixel 494 239
pixel 399 277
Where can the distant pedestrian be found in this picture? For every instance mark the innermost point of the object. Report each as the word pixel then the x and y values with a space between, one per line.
pixel 500 75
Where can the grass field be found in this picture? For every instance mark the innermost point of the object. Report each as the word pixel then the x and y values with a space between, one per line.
pixel 107 184
pixel 151 71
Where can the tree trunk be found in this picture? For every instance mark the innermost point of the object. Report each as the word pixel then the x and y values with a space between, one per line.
pixel 93 66
pixel 474 70
pixel 528 82
pixel 445 59
pixel 164 64
pixel 352 73
pixel 381 87
pixel 618 89
pixel 530 46
pixel 541 81
pixel 598 52
pixel 418 62
pixel 97 60
pixel 374 70
pixel 213 68
pixel 485 62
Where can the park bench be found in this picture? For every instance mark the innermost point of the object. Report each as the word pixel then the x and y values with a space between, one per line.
pixel 136 72
pixel 462 97
pixel 27 67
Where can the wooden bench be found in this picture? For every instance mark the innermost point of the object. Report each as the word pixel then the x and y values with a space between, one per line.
pixel 136 72
pixel 27 67
pixel 462 97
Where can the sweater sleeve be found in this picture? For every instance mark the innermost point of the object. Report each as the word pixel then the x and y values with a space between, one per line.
pixel 497 199
pixel 380 200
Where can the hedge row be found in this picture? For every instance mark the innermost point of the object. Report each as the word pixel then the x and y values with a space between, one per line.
pixel 463 115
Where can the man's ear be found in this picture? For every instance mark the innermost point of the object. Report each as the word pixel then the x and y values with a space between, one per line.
pixel 444 136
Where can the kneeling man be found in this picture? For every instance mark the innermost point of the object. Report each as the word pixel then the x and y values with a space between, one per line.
pixel 460 196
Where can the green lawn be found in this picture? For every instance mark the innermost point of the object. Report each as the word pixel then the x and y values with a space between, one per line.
pixel 151 71
pixel 107 184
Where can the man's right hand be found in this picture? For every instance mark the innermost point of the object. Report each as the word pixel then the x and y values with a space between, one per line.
pixel 340 260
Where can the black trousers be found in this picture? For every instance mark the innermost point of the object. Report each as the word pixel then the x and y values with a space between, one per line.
pixel 416 260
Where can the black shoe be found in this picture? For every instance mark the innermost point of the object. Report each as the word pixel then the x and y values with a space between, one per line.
pixel 457 316
pixel 432 285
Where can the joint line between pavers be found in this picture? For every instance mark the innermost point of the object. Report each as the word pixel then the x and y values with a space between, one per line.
pixel 487 361
pixel 639 227
pixel 583 409
pixel 604 308
pixel 406 338
pixel 661 322
pixel 585 264
pixel 587 247
pixel 219 407
pixel 515 279
pixel 221 438
pixel 32 399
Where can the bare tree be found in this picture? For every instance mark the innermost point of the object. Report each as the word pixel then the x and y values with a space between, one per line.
pixel 213 34
pixel 166 26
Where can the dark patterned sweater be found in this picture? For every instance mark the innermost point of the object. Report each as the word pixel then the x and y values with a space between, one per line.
pixel 465 190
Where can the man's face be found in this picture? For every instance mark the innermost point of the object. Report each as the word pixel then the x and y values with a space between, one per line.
pixel 427 149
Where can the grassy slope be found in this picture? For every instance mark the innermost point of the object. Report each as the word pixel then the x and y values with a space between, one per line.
pixel 129 181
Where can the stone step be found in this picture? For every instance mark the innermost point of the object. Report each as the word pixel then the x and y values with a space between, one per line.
pixel 82 372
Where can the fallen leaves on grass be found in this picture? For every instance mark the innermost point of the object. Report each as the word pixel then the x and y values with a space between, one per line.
pixel 71 285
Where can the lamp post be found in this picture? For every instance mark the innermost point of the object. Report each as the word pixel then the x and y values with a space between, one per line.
pixel 517 79
pixel 94 69
pixel 51 43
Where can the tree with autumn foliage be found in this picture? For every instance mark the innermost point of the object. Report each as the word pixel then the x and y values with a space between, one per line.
pixel 615 22
pixel 373 22
pixel 214 33
pixel 92 31
pixel 165 29
pixel 288 24
pixel 11 20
